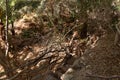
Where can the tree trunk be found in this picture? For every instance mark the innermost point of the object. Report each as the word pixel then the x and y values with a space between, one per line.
pixel 6 29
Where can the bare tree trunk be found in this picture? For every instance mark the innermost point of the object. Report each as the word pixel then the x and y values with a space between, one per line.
pixel 6 30
pixel 7 59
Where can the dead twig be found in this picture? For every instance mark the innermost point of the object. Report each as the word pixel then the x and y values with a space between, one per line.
pixel 16 75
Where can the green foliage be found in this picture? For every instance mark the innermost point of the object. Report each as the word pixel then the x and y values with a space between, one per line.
pixel 13 2
pixel 116 5
pixel 15 5
pixel 1 11
pixel 88 5
pixel 20 4
pixel 2 4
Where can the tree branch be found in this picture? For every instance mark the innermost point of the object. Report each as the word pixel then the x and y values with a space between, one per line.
pixel 6 29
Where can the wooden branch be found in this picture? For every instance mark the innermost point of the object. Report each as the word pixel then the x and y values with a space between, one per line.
pixel 6 30
pixel 12 78
pixel 34 61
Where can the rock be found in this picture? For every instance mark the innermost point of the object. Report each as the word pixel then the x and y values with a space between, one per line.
pixel 68 75
pixel 78 64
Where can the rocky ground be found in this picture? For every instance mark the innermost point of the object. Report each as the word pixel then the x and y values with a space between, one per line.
pixel 43 55
pixel 102 62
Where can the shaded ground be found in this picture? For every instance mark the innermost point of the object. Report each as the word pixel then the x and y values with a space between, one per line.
pixel 40 54
pixel 37 54
pixel 102 61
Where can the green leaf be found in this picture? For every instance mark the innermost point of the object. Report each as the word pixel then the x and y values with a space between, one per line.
pixel 12 3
